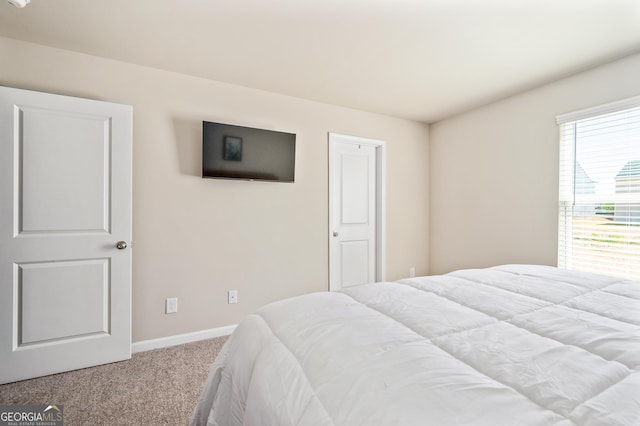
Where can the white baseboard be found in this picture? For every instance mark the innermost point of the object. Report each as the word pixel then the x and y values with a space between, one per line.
pixel 164 342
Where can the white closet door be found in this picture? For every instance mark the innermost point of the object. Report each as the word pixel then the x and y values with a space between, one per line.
pixel 353 214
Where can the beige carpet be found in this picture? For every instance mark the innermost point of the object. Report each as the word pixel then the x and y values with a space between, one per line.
pixel 158 387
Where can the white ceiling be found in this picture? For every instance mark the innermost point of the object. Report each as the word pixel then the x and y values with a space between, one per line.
pixel 418 59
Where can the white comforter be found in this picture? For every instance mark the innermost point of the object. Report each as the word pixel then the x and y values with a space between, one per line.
pixel 511 345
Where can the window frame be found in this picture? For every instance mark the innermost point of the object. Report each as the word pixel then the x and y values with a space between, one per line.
pixel 567 127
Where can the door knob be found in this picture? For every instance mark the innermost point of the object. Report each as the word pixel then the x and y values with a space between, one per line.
pixel 121 245
pixel 335 234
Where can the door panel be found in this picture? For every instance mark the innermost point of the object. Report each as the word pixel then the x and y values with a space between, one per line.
pixel 63 170
pixel 354 263
pixel 355 177
pixel 65 201
pixel 47 295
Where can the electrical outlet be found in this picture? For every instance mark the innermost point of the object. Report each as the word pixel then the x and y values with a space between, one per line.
pixel 233 296
pixel 171 305
pixel 412 272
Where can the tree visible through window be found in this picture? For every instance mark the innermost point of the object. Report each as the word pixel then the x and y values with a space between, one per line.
pixel 599 210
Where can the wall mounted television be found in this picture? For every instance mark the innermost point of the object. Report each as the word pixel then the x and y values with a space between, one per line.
pixel 237 152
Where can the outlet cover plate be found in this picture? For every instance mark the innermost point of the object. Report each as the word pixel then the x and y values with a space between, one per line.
pixel 171 305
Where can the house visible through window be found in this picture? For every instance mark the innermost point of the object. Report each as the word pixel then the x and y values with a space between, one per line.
pixel 599 209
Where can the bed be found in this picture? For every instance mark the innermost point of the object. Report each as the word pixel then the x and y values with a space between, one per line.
pixel 514 344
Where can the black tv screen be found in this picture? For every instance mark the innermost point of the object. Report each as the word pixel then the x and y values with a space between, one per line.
pixel 236 152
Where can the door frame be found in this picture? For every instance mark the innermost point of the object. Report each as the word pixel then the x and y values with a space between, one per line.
pixel 381 219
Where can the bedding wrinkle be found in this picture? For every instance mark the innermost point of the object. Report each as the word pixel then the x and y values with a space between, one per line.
pixel 611 387
pixel 608 283
pixel 616 307
pixel 502 305
pixel 607 338
pixel 553 382
pixel 527 368
pixel 490 351
pixel 539 298
pixel 626 288
pixel 597 411
pixel 550 273
pixel 437 321
pixel 516 344
pixel 354 379
pixel 543 382
pixel 299 377
pixel 526 285
pixel 605 282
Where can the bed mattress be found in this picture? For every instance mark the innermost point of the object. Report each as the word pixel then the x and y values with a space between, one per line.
pixel 515 344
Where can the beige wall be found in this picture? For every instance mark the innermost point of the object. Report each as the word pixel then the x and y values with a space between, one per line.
pixel 194 239
pixel 494 171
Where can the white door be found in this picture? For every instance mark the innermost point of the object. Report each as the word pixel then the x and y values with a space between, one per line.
pixel 355 211
pixel 65 203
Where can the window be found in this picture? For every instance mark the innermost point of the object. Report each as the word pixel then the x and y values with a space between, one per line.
pixel 599 209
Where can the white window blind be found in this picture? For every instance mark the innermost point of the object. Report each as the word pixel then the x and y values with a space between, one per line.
pixel 599 209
